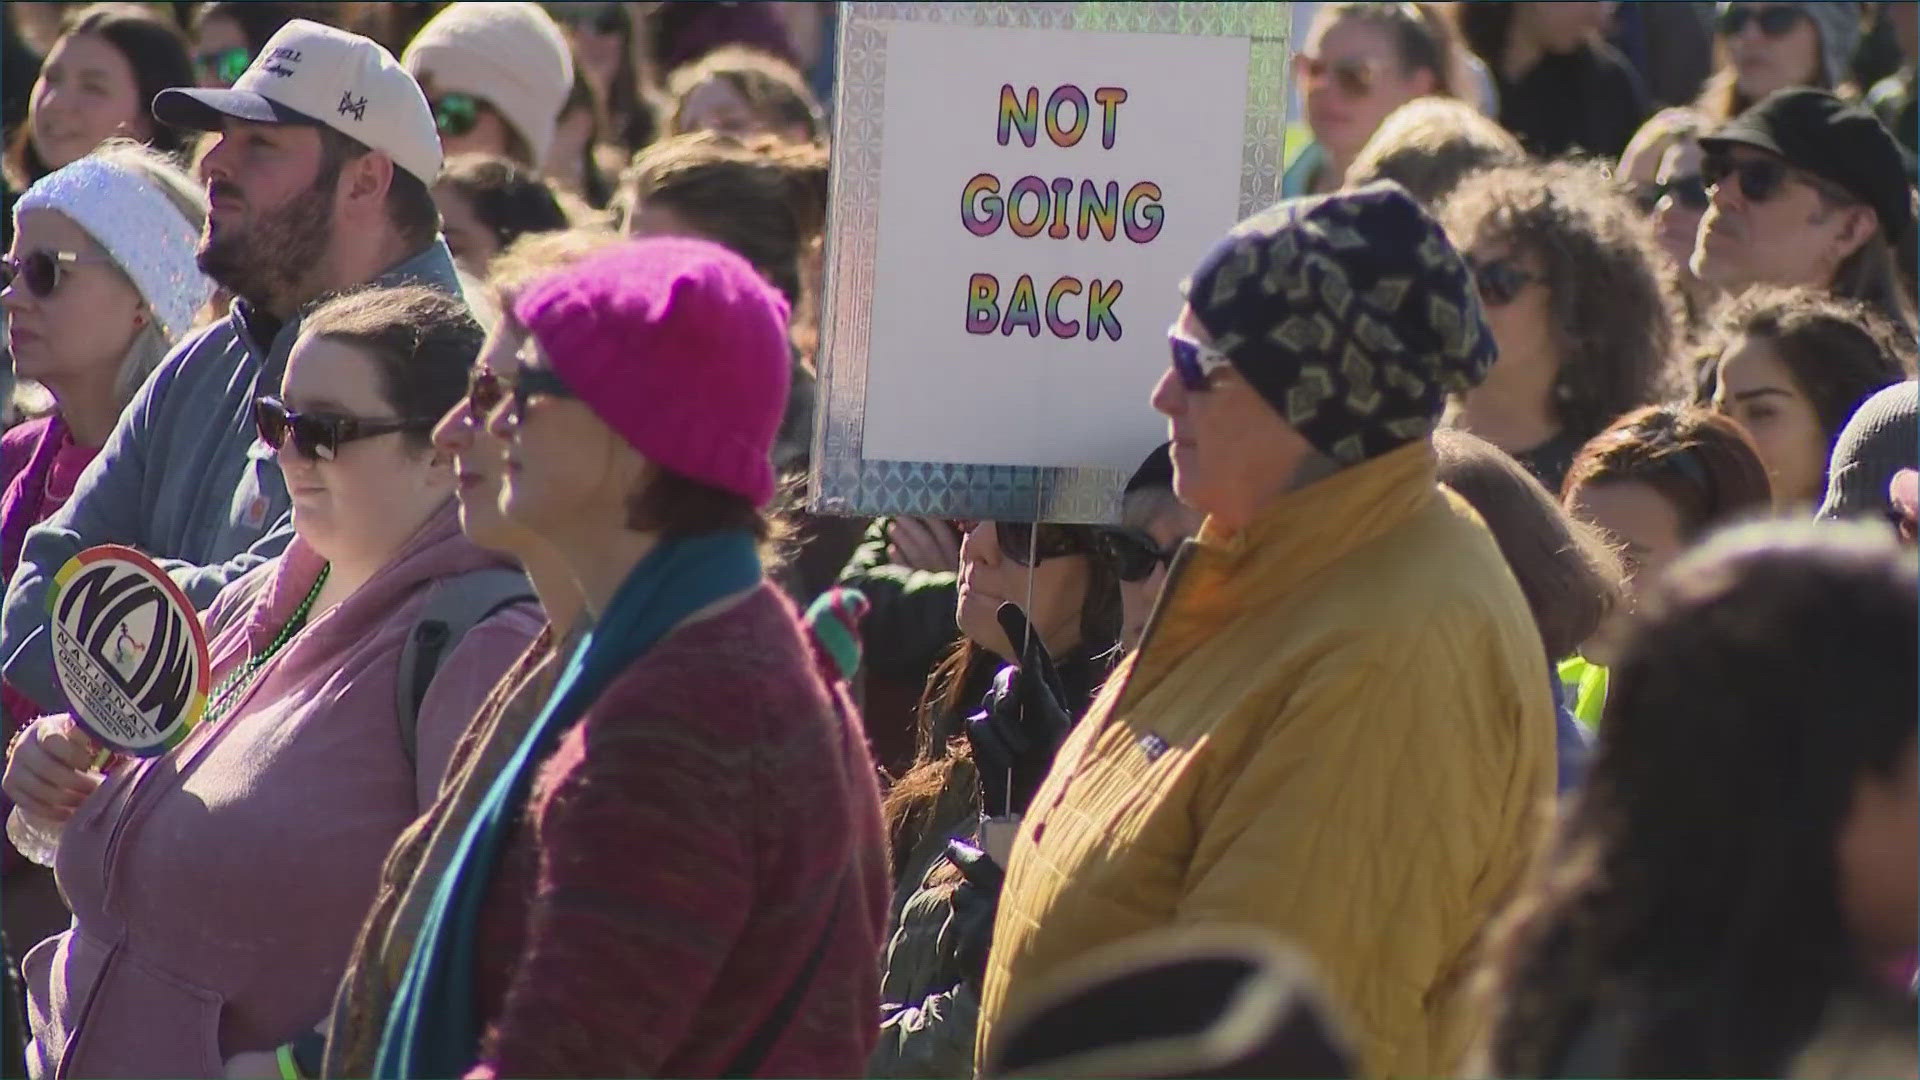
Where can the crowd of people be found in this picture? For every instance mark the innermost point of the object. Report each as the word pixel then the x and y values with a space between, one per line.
pixel 1506 667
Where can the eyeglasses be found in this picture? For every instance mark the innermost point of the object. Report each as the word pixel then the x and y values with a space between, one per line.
pixel 1500 281
pixel 1355 78
pixel 1133 554
pixel 41 271
pixel 1025 544
pixel 1194 363
pixel 456 114
pixel 529 381
pixel 224 67
pixel 320 436
pixel 1775 21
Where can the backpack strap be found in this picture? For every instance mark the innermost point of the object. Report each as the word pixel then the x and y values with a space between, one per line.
pixel 454 606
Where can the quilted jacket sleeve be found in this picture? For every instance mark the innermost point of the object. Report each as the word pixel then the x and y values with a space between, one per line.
pixel 1348 831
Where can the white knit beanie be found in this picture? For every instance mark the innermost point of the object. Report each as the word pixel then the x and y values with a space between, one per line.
pixel 510 55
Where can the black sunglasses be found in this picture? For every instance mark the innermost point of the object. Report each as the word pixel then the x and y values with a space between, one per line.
pixel 1133 554
pixel 224 67
pixel 1499 280
pixel 485 391
pixel 527 382
pixel 1760 179
pixel 320 436
pixel 41 271
pixel 1776 21
pixel 1025 544
pixel 456 114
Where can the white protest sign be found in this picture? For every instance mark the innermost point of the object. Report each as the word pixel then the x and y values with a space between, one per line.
pixel 129 649
pixel 1018 191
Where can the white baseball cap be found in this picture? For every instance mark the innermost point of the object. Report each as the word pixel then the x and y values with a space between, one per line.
pixel 308 73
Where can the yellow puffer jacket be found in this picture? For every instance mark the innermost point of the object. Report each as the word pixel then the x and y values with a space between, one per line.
pixel 1338 728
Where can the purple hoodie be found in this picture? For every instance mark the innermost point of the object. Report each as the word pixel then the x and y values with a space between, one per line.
pixel 217 890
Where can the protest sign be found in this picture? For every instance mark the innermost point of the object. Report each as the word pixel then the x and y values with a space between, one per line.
pixel 1017 192
pixel 129 650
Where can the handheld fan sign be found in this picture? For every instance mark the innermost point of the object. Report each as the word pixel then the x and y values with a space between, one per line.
pixel 129 649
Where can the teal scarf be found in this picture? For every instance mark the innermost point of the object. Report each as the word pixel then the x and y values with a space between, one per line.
pixel 431 1028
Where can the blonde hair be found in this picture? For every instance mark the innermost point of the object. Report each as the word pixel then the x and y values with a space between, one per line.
pixel 535 255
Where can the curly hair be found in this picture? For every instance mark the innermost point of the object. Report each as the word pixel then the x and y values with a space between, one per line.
pixel 1431 144
pixel 770 86
pixel 1699 461
pixel 1693 890
pixel 1614 319
pixel 1837 351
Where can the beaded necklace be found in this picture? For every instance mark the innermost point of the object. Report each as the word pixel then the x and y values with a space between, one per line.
pixel 228 692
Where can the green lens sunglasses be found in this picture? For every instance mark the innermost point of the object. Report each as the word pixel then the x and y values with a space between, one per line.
pixel 456 114
pixel 224 67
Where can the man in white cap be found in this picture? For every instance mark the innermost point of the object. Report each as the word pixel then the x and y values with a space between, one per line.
pixel 319 181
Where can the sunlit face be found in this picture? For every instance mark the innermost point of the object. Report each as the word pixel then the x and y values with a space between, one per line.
pixel 1351 79
pixel 268 225
pixel 1639 519
pixel 377 491
pixel 1758 391
pixel 1791 238
pixel 79 335
pixel 473 244
pixel 1763 63
pixel 482 131
pixel 85 94
pixel 1168 521
pixel 1878 860
pixel 479 457
pixel 716 106
pixel 567 474
pixel 1052 594
pixel 1232 454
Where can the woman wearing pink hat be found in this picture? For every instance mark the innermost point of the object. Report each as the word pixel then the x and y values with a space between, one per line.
pixel 680 872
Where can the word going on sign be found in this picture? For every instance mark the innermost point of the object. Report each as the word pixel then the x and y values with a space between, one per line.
pixel 1059 208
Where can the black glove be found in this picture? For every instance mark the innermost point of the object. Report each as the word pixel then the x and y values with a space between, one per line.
pixel 975 904
pixel 1022 724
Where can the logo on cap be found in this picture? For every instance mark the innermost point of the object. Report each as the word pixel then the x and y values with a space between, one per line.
pixel 272 65
pixel 350 104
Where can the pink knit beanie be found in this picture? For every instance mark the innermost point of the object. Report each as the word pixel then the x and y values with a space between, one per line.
pixel 678 345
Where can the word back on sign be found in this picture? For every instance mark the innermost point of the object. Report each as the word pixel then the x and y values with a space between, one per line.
pixel 1018 191
pixel 129 650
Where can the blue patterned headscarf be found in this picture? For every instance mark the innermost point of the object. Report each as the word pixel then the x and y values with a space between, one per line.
pixel 1350 313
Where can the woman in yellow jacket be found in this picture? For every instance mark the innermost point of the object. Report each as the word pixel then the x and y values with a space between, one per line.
pixel 1338 727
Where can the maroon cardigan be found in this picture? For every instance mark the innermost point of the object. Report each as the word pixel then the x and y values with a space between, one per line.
pixel 710 824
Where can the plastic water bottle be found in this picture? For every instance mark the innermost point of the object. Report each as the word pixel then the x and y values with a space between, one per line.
pixel 33 836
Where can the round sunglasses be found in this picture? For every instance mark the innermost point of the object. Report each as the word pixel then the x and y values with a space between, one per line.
pixel 455 115
pixel 1761 178
pixel 1774 21
pixel 42 271
pixel 319 436
pixel 224 67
